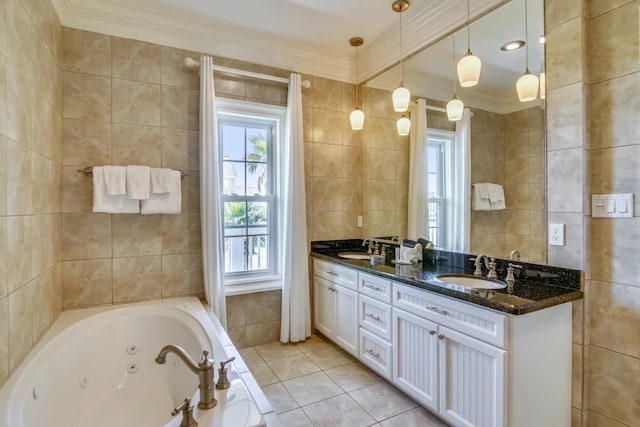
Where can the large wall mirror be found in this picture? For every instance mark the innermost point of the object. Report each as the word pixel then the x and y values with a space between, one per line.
pixel 507 144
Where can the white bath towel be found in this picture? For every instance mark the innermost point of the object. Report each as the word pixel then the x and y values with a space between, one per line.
pixel 138 182
pixel 160 180
pixel 165 203
pixel 104 203
pixel 480 197
pixel 115 180
pixel 496 197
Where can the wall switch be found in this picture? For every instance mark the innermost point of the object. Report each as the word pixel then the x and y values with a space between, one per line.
pixel 359 221
pixel 556 234
pixel 612 205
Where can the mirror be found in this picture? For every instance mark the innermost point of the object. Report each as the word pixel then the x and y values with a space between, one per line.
pixel 507 136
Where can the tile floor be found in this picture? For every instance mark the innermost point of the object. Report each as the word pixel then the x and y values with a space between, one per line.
pixel 315 383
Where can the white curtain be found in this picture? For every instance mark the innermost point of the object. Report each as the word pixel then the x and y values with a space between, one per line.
pixel 461 212
pixel 210 191
pixel 296 316
pixel 418 191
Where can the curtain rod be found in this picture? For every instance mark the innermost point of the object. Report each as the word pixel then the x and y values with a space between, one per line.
pixel 193 63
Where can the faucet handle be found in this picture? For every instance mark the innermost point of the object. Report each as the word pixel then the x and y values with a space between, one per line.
pixel 222 364
pixel 492 269
pixel 187 413
pixel 223 379
pixel 205 363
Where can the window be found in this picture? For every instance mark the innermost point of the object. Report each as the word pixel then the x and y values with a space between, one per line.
pixel 249 136
pixel 439 185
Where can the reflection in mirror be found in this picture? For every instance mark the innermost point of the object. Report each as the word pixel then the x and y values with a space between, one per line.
pixel 507 136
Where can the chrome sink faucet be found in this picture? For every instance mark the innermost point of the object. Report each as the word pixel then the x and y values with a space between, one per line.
pixel 491 266
pixel 203 369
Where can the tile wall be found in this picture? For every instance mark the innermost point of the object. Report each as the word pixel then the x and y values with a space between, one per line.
pixel 254 319
pixel 30 170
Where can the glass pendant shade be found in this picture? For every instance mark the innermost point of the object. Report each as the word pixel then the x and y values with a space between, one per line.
pixel 404 125
pixel 454 109
pixel 357 119
pixel 543 85
pixel 469 70
pixel 527 87
pixel 401 97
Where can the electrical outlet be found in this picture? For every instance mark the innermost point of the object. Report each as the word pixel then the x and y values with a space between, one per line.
pixel 556 234
pixel 359 221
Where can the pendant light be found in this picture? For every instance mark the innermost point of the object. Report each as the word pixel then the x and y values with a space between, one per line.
pixel 527 84
pixel 357 116
pixel 401 96
pixel 403 125
pixel 469 66
pixel 455 106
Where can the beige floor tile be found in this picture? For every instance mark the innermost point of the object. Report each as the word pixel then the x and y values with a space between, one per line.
pixel 329 358
pixel 418 417
pixel 263 374
pixel 279 398
pixel 353 376
pixel 312 388
pixel 277 350
pixel 250 356
pixel 314 343
pixel 292 367
pixel 382 400
pixel 339 411
pixel 294 418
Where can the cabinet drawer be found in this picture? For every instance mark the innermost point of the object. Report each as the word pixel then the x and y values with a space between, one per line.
pixel 480 323
pixel 375 353
pixel 336 273
pixel 375 287
pixel 375 317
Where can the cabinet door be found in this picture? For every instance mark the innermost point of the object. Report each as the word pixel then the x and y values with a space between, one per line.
pixel 472 381
pixel 415 357
pixel 346 326
pixel 325 307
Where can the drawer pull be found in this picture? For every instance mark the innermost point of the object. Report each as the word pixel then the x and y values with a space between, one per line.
pixel 374 288
pixel 373 316
pixel 432 332
pixel 332 289
pixel 437 310
pixel 441 336
pixel 373 353
pixel 332 273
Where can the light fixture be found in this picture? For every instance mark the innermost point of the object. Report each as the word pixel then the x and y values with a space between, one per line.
pixel 401 96
pixel 527 84
pixel 404 125
pixel 455 106
pixel 469 66
pixel 357 116
pixel 512 45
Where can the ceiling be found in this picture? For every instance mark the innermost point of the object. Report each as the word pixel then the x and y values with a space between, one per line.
pixel 307 36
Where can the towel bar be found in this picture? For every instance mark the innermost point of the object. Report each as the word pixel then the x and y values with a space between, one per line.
pixel 88 171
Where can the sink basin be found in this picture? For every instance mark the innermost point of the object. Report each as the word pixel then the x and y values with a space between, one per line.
pixel 354 255
pixel 469 281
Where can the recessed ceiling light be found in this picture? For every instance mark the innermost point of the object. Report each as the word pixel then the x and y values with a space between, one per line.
pixel 512 45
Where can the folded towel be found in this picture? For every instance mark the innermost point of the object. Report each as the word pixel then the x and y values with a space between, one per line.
pixel 165 203
pixel 115 179
pixel 478 202
pixel 104 203
pixel 496 192
pixel 138 182
pixel 160 180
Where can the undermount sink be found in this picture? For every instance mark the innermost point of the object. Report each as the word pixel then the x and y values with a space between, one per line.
pixel 354 255
pixel 469 281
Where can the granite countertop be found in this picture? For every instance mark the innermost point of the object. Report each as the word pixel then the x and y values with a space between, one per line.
pixel 536 287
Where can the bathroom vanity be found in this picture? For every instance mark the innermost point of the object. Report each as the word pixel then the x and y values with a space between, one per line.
pixel 474 357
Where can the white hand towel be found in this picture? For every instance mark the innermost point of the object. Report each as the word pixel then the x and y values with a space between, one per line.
pixel 104 203
pixel 496 197
pixel 160 180
pixel 165 203
pixel 115 179
pixel 138 182
pixel 478 201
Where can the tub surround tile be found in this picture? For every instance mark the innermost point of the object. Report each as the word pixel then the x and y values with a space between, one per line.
pixel 19 247
pixel 137 278
pixel 4 338
pixel 4 287
pixel 87 283
pixel 312 388
pixel 86 236
pixel 327 94
pixel 42 289
pixel 18 178
pixel 180 149
pixel 263 333
pixel 136 235
pixel 263 307
pixel 180 108
pixel 86 96
pixel 238 336
pixel 182 275
pixel 77 191
pixel 136 60
pixel 20 323
pixel 236 311
pixel 86 143
pixel 181 233
pixel 382 400
pixel 86 52
pixel 174 73
pixel 135 102
pixel 339 411
pixel 135 144
pixel 327 126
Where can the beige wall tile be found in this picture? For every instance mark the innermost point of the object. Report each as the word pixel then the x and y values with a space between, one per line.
pixel 191 190
pixel 20 323
pixel 3 94
pixel 565 183
pixel 42 289
pixel 326 225
pixel 559 12
pixel 327 126
pixel 616 258
pixel 352 194
pixel 135 102
pixel 576 383
pixel 182 275
pixel 327 194
pixel 266 92
pixel 236 312
pixel 3 175
pixel 262 333
pixel 86 236
pixel 238 336
pixel 350 229
pixel 86 52
pixel 614 385
pixel 86 96
pixel 566 117
pixel 137 278
pixel 138 145
pixel 174 73
pixel 4 288
pixel 598 7
pixel 136 235
pixel 614 53
pixel 86 143
pixel 180 108
pixel 564 54
pixel 327 160
pixel 598 420
pixel 381 105
pixel 383 133
pixel 87 283
pixel 571 255
pixel 263 307
pixel 19 245
pixel 18 179
pixel 180 149
pixel 136 60
pixel 4 338
pixel 616 171
pixel 181 233
pixel 77 191
pixel 327 94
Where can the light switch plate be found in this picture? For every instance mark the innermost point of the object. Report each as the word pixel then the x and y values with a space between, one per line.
pixel 612 205
pixel 556 234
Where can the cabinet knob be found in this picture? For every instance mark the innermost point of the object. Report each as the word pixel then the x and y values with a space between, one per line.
pixel 432 332
pixel 441 336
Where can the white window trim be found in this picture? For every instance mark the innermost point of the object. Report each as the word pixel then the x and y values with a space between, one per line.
pixel 448 137
pixel 260 281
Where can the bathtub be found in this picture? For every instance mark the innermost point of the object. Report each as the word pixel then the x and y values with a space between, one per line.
pixel 96 367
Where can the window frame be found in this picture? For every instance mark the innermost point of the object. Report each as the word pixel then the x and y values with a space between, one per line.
pixel 446 140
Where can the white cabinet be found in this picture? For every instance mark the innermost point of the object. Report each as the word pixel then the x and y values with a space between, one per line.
pixel 325 307
pixel 346 335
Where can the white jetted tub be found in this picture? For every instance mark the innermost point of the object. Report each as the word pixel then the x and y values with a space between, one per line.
pixel 96 367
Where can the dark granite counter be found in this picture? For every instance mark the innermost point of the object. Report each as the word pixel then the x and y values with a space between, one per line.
pixel 536 287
